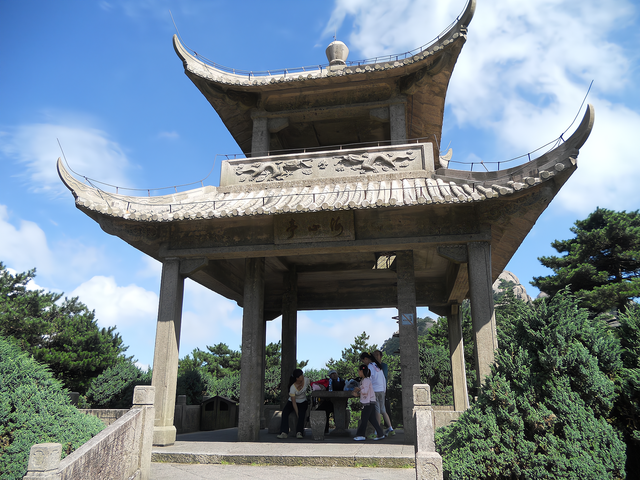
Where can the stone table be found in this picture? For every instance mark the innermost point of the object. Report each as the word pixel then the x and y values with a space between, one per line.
pixel 339 400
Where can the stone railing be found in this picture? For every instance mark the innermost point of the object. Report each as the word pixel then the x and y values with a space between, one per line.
pixel 120 451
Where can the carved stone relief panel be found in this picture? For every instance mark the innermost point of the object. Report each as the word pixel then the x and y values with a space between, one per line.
pixel 334 164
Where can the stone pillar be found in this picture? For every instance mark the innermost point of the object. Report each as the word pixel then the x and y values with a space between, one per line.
pixel 252 362
pixel 428 461
pixel 456 351
pixel 289 330
pixel 398 123
pixel 482 312
pixel 260 139
pixel 409 356
pixel 165 356
pixel 143 397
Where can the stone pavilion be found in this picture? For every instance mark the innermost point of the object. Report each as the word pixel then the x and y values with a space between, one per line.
pixel 344 200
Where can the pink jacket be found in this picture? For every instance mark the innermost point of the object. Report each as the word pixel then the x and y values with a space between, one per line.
pixel 367 395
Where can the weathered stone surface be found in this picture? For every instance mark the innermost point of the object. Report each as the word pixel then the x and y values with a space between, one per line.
pixel 428 466
pixel 44 457
pixel 317 419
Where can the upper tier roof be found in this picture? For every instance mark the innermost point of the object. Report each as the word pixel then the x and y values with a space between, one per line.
pixel 336 104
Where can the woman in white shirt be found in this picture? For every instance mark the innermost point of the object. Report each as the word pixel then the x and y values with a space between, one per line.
pixel 298 386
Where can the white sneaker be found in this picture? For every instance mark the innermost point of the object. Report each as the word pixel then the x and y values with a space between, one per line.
pixel 299 435
pixel 380 438
pixel 359 439
pixel 390 431
pixel 282 435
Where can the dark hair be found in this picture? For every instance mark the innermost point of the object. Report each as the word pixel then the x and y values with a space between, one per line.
pixel 294 376
pixel 365 370
pixel 371 358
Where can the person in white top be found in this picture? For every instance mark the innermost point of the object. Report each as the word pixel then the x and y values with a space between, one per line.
pixel 297 402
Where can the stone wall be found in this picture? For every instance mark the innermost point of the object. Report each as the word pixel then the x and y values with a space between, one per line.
pixel 108 416
pixel 121 451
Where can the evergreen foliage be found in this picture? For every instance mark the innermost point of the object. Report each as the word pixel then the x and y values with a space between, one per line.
pixel 34 408
pixel 217 372
pixel 543 411
pixel 347 364
pixel 627 408
pixel 114 387
pixel 601 264
pixel 65 336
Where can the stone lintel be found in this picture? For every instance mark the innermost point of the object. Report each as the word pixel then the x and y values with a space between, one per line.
pixel 273 250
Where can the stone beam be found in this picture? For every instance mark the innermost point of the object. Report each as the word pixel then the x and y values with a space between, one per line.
pixel 409 356
pixel 398 123
pixel 289 330
pixel 343 248
pixel 482 310
pixel 166 352
pixel 260 138
pixel 456 351
pixel 253 345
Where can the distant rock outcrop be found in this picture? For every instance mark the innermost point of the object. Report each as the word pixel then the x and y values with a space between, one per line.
pixel 518 289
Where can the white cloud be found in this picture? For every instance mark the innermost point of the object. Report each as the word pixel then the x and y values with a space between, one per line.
pixel 25 246
pixel 208 319
pixel 129 308
pixel 169 135
pixel 89 151
pixel 521 77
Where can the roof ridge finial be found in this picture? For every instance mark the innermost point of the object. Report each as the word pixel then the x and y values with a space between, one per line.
pixel 337 52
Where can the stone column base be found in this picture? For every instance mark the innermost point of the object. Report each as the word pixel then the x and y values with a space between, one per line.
pixel 164 436
pixel 428 466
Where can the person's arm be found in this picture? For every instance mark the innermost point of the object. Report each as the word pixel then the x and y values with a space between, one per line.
pixel 292 397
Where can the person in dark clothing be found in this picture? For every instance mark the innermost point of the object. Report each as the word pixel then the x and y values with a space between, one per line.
pixel 336 384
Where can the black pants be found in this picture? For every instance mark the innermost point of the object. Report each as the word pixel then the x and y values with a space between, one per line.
pixel 369 415
pixel 288 409
pixel 327 406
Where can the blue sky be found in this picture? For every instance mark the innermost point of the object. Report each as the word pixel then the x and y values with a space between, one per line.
pixel 102 77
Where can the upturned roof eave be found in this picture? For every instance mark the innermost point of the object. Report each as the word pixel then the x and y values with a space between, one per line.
pixel 413 188
pixel 301 79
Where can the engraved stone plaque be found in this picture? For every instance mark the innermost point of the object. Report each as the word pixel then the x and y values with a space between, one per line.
pixel 314 227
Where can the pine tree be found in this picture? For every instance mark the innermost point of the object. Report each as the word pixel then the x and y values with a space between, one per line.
pixel 65 336
pixel 601 264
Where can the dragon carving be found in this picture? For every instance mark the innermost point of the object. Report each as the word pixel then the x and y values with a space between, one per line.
pixel 371 162
pixel 267 171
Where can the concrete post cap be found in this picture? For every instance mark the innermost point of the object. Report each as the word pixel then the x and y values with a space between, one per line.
pixel 421 395
pixel 143 395
pixel 44 457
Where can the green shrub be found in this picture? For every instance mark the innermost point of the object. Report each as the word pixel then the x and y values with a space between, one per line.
pixel 627 409
pixel 543 411
pixel 34 408
pixel 113 388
